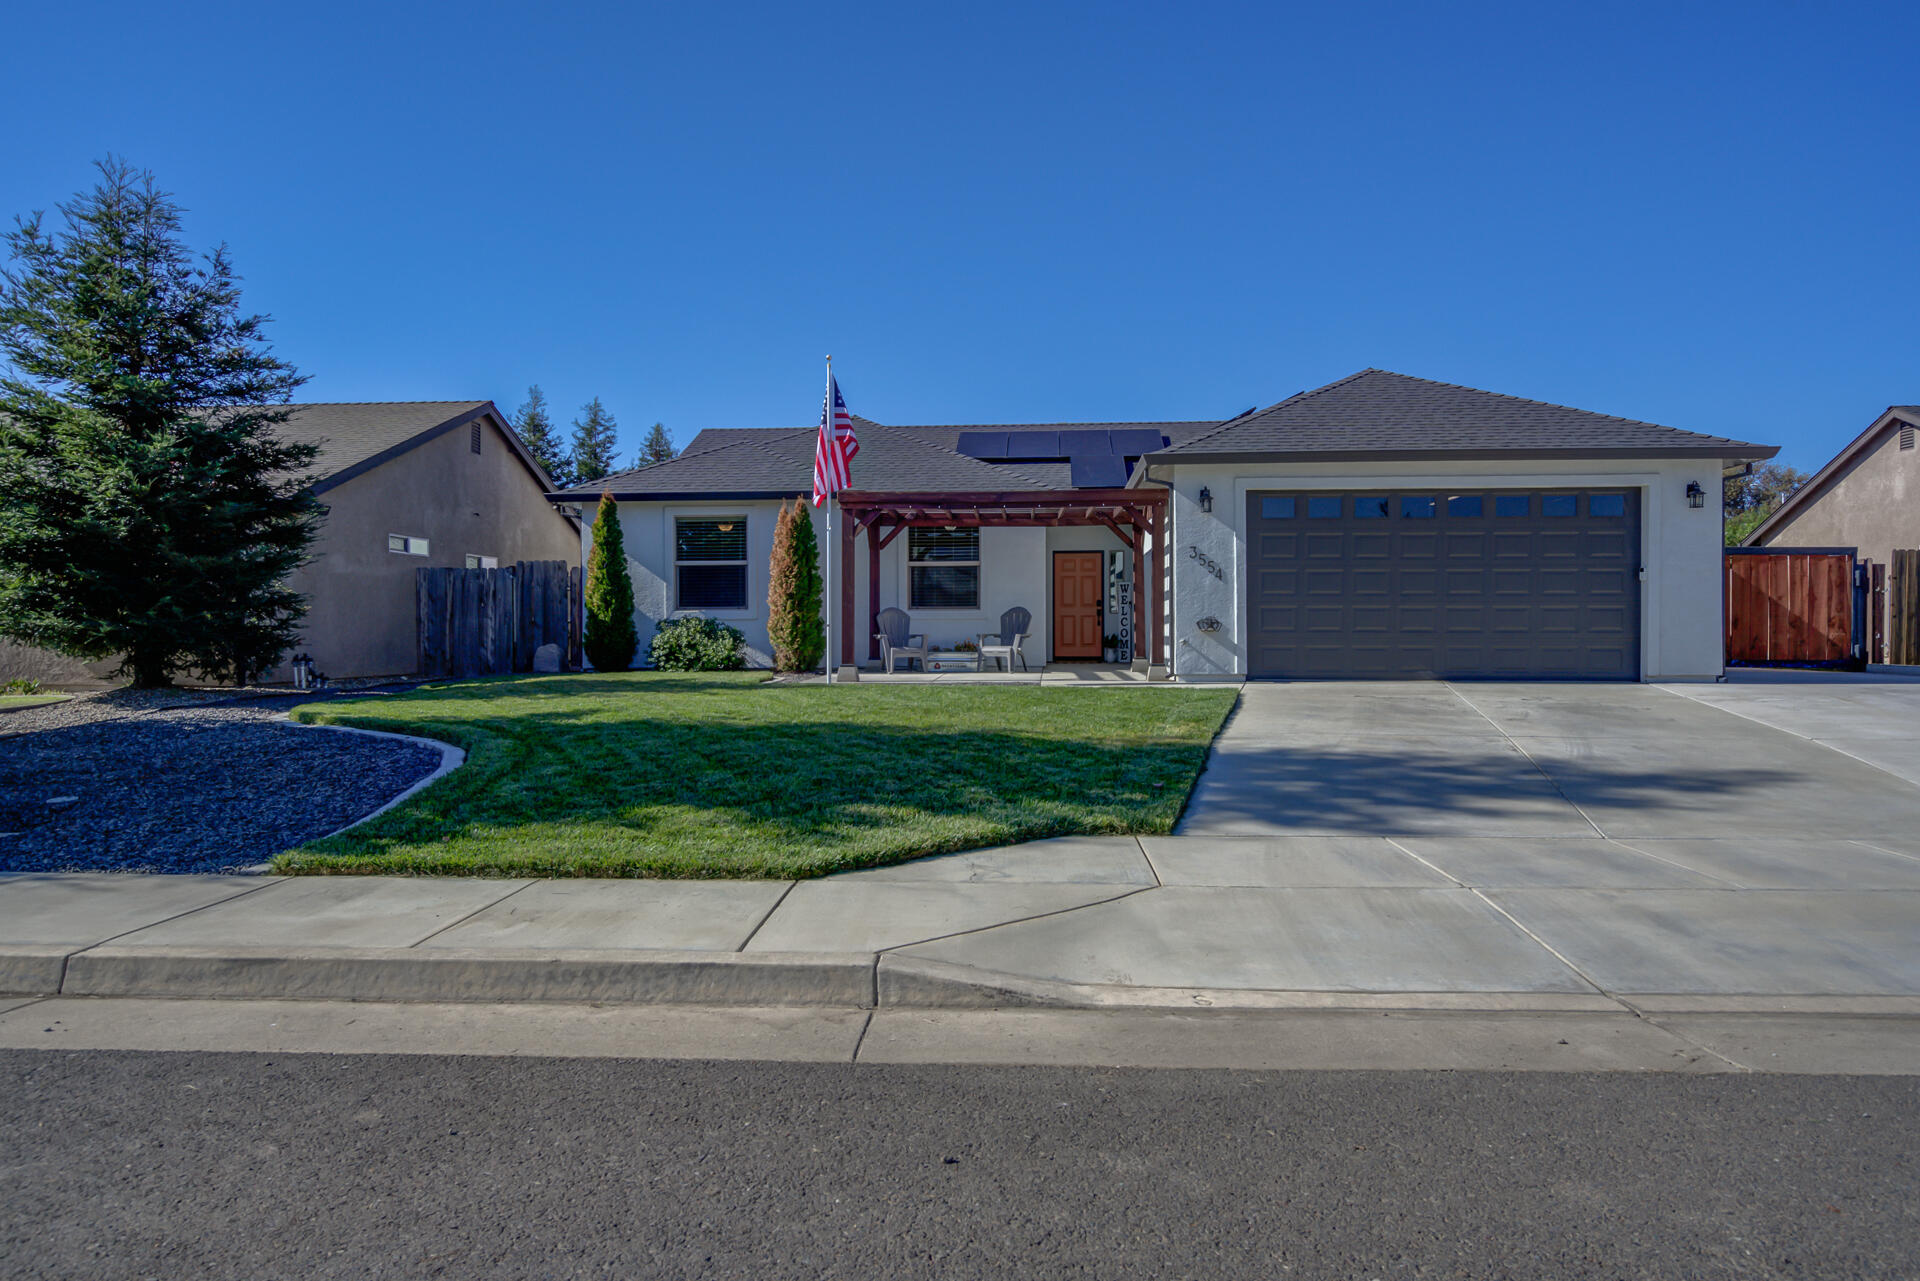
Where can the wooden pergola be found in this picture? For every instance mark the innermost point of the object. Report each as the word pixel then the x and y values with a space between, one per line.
pixel 1136 516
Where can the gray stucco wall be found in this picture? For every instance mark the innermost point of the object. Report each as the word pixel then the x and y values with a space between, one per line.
pixel 1872 504
pixel 360 615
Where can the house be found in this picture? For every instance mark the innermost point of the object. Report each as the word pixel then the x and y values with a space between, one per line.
pixel 403 484
pixel 1866 498
pixel 1381 526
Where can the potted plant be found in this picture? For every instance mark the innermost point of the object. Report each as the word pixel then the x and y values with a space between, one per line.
pixel 966 647
pixel 1110 647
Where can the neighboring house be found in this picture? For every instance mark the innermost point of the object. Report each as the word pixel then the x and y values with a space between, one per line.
pixel 404 484
pixel 1866 498
pixel 1381 526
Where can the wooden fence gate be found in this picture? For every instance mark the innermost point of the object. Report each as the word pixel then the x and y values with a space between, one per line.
pixel 483 622
pixel 1790 605
pixel 1903 608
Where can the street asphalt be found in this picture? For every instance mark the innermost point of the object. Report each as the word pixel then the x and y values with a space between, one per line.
pixel 122 1164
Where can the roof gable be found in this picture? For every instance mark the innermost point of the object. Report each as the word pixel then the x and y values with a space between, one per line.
pixel 1379 413
pixel 1817 484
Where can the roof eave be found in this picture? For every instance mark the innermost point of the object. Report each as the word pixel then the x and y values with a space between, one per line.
pixel 1732 449
pixel 668 496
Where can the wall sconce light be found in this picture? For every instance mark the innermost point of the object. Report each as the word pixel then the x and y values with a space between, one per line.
pixel 1696 496
pixel 1206 499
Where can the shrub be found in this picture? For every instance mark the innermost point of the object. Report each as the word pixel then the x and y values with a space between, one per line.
pixel 794 620
pixel 611 636
pixel 697 645
pixel 21 685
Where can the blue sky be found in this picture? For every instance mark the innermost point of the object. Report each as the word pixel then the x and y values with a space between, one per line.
pixel 1703 216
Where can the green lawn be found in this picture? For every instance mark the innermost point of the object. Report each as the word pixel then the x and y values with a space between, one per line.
pixel 10 701
pixel 648 774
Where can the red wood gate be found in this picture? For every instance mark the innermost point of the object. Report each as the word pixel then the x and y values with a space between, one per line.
pixel 1788 605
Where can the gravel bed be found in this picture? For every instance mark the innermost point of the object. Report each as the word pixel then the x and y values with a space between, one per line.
pixel 183 781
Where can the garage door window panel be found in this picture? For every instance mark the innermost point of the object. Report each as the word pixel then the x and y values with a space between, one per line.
pixel 1607 505
pixel 1413 508
pixel 1276 509
pixel 1508 506
pixel 1324 508
pixel 1465 506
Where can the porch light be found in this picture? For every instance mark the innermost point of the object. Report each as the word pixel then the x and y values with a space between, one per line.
pixel 1696 496
pixel 725 527
pixel 1206 499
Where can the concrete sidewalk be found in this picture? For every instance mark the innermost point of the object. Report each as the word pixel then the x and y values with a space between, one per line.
pixel 1569 924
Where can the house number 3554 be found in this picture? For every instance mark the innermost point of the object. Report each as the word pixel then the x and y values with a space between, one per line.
pixel 1206 562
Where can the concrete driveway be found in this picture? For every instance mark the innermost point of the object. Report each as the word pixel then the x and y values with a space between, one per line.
pixel 1736 843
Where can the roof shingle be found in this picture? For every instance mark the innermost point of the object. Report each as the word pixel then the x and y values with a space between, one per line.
pixel 1376 412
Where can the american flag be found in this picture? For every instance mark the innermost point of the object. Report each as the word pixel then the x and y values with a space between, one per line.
pixel 833 452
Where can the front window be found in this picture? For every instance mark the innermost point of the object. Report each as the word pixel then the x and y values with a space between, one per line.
pixel 944 568
pixel 710 562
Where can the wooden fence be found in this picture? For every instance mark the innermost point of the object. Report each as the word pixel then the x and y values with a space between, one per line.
pixel 1903 608
pixel 483 622
pixel 1789 606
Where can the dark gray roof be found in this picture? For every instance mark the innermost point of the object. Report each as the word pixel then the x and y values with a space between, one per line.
pixel 352 433
pixel 776 462
pixel 1377 413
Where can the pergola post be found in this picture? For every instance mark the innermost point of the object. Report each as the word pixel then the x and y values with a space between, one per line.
pixel 873 590
pixel 1159 668
pixel 1139 663
pixel 846 589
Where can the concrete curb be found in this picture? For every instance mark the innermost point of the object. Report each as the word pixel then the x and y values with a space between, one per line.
pixel 32 969
pixel 845 980
pixel 460 974
pixel 913 982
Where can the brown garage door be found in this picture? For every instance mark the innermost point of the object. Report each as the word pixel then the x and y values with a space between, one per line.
pixel 1421 583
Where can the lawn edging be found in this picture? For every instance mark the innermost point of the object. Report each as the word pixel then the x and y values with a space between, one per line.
pixel 451 759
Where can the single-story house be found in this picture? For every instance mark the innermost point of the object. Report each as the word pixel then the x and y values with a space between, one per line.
pixel 404 484
pixel 1867 497
pixel 1381 526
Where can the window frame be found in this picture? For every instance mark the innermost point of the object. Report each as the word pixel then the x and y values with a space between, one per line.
pixel 744 564
pixel 977 565
pixel 410 545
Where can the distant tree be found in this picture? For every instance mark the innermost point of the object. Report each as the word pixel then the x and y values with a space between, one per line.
pixel 611 636
pixel 794 622
pixel 656 448
pixel 536 432
pixel 149 508
pixel 595 437
pixel 1751 499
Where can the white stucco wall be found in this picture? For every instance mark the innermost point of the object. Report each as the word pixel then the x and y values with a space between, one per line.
pixel 1680 547
pixel 1016 569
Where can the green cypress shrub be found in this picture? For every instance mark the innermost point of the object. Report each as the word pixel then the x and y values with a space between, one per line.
pixel 611 637
pixel 794 622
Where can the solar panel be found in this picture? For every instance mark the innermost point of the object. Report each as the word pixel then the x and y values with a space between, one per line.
pixel 1085 441
pixel 1033 444
pixel 1098 471
pixel 982 444
pixel 1134 441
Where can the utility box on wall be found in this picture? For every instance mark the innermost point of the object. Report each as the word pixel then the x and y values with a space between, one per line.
pixel 1120 604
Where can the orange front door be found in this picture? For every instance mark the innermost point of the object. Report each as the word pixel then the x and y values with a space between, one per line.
pixel 1077 589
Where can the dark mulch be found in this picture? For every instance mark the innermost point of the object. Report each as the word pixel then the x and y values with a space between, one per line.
pixel 173 784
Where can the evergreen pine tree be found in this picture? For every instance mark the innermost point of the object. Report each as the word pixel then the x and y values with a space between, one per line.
pixel 611 636
pixel 794 621
pixel 149 507
pixel 656 448
pixel 537 433
pixel 595 438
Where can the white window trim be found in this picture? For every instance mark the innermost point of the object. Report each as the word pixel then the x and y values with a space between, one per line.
pixel 745 563
pixel 486 562
pixel 979 564
pixel 410 545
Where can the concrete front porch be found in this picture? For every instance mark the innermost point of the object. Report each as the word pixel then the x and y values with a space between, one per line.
pixel 1037 674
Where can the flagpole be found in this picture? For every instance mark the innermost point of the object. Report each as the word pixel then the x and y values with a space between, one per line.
pixel 828 429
